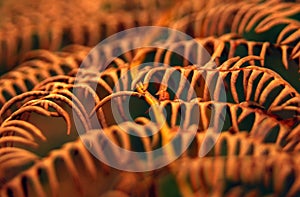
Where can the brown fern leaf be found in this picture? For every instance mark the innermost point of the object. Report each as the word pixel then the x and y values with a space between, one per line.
pixel 74 159
pixel 265 175
pixel 244 18
pixel 66 166
pixel 13 161
pixel 240 144
pixel 251 83
pixel 38 65
pixel 226 47
pixel 46 99
pixel 219 116
pixel 184 8
pixel 33 25
pixel 223 48
pixel 233 117
pixel 30 134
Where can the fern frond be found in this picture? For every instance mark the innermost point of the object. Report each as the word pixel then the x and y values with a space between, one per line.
pixel 262 175
pixel 241 84
pixel 37 66
pixel 29 26
pixel 248 20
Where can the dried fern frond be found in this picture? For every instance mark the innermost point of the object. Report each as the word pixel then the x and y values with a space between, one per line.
pixel 222 49
pixel 184 8
pixel 38 65
pixel 240 144
pixel 62 90
pixel 231 92
pixel 65 166
pixel 219 116
pixel 13 161
pixel 20 132
pixel 44 102
pixel 75 159
pixel 30 134
pixel 221 176
pixel 227 46
pixel 226 116
pixel 243 18
pixel 254 76
pixel 33 25
pixel 241 84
